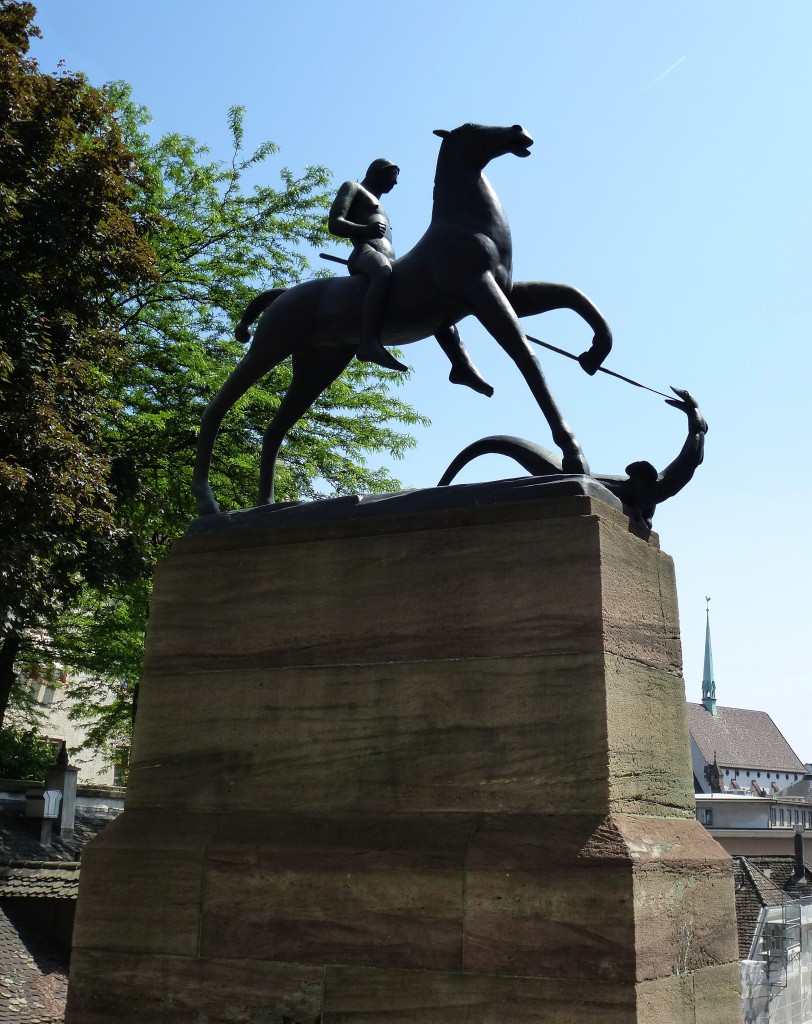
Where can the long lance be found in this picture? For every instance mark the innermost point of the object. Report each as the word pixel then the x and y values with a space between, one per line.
pixel 601 369
pixel 547 345
pixel 333 259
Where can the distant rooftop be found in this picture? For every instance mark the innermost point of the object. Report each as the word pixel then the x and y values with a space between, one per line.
pixel 761 881
pixel 33 967
pixel 741 738
pixel 19 845
pixel 34 982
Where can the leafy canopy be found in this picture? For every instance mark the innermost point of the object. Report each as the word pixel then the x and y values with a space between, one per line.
pixel 24 755
pixel 132 259
pixel 216 242
pixel 69 244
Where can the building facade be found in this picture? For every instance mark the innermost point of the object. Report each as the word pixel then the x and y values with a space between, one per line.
pixel 752 790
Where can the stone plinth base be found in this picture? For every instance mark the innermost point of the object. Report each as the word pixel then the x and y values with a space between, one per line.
pixel 427 767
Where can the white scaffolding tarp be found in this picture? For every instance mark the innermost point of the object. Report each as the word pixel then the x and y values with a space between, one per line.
pixel 776 981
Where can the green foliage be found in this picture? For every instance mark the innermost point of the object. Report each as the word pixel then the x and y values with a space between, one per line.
pixel 68 246
pixel 23 755
pixel 126 289
pixel 216 243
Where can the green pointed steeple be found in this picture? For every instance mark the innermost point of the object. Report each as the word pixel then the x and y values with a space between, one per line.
pixel 708 683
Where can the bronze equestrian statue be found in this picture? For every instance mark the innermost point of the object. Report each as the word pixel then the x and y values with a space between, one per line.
pixel 461 266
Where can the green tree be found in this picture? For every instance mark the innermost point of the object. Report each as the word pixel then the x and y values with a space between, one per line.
pixel 24 755
pixel 71 241
pixel 217 240
pixel 126 263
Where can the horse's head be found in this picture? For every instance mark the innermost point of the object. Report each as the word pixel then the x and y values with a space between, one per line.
pixel 478 144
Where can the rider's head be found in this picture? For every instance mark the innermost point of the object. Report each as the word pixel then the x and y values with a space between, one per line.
pixel 383 174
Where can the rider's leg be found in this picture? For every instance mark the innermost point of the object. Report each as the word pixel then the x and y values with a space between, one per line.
pixel 463 370
pixel 378 271
pixel 493 310
pixel 529 298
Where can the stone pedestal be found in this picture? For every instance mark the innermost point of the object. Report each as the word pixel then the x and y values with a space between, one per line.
pixel 417 768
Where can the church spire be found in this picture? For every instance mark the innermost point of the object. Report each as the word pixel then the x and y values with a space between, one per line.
pixel 708 683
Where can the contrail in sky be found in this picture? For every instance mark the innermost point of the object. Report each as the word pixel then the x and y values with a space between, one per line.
pixel 667 71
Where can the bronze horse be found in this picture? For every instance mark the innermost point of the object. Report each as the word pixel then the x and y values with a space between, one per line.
pixel 461 266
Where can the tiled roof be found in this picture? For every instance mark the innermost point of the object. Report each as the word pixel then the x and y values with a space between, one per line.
pixel 741 739
pixel 34 871
pixel 52 880
pixel 33 975
pixel 780 868
pixel 761 881
pixel 18 843
pixel 33 978
pixel 753 891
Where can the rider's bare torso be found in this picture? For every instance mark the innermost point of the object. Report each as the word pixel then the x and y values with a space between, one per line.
pixel 366 209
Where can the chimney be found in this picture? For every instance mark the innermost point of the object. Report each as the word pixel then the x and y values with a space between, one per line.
pixel 799 879
pixel 62 776
pixel 42 807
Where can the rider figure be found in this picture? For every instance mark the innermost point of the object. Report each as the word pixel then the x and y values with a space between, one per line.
pixel 357 214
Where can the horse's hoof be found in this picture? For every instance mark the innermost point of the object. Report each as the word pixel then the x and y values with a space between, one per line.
pixel 206 505
pixel 575 463
pixel 590 361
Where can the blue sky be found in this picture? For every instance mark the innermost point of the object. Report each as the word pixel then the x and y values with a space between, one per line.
pixel 669 182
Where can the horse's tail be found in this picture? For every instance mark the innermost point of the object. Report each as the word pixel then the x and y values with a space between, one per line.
pixel 255 308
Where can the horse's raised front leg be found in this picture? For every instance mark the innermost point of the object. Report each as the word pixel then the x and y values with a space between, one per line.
pixel 529 298
pixel 314 370
pixel 496 314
